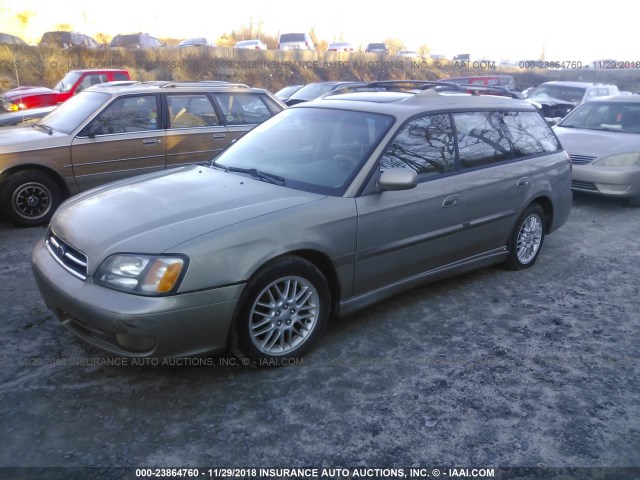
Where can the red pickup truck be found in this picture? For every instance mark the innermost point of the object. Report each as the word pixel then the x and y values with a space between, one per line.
pixel 23 98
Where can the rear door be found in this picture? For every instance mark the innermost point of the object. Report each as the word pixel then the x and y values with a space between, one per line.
pixel 195 132
pixel 497 181
pixel 123 140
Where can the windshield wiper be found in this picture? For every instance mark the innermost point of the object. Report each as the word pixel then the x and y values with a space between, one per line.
pixel 42 127
pixel 264 176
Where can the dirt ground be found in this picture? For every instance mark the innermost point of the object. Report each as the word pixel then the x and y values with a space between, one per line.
pixel 495 368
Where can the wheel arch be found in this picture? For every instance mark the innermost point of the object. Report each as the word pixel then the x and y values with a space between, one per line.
pixel 547 207
pixel 40 168
pixel 320 260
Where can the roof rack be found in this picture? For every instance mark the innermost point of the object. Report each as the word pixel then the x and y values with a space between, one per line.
pixel 129 83
pixel 199 83
pixel 413 85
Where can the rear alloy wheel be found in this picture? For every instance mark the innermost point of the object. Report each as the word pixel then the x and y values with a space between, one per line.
pixel 30 198
pixel 284 309
pixel 526 239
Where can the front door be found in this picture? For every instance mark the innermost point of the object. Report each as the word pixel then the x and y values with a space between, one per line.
pixel 124 140
pixel 405 233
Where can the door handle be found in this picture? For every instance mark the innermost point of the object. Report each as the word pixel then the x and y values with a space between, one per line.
pixel 219 135
pixel 149 141
pixel 523 182
pixel 450 201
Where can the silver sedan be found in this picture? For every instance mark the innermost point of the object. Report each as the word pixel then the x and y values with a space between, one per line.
pixel 603 139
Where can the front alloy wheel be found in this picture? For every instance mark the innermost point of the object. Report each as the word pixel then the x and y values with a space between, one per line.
pixel 281 313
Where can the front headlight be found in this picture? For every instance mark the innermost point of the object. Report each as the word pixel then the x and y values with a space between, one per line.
pixel 620 160
pixel 142 274
pixel 15 107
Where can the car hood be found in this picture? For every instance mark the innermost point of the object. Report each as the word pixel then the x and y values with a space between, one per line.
pixel 20 92
pixel 597 143
pixel 154 213
pixel 550 101
pixel 19 139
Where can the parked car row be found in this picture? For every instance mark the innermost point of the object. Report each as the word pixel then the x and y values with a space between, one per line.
pixel 199 253
pixel 29 104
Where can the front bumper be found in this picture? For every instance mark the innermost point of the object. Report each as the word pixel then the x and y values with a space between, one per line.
pixel 132 325
pixel 607 181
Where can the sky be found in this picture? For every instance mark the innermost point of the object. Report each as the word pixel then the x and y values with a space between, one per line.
pixel 565 30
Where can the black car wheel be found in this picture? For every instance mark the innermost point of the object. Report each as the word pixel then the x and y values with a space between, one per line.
pixel 30 198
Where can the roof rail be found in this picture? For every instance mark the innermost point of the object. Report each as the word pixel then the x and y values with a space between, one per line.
pixel 129 83
pixel 200 83
pixel 413 85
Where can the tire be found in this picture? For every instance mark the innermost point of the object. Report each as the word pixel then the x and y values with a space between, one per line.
pixel 634 201
pixel 527 238
pixel 30 198
pixel 270 326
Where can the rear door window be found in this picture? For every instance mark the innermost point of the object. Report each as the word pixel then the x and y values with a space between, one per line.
pixel 481 139
pixel 187 111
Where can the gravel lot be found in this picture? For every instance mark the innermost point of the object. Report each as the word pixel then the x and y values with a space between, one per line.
pixel 494 368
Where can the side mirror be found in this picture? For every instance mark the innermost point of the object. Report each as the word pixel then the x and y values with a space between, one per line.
pixel 398 179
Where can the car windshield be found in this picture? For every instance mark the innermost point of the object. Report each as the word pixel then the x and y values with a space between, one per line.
pixel 287 91
pixel 311 91
pixel 317 150
pixel 67 82
pixel 126 41
pixel 571 95
pixel 614 116
pixel 68 116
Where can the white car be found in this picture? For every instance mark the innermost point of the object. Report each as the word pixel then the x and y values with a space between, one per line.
pixel 340 47
pixel 602 137
pixel 295 41
pixel 251 45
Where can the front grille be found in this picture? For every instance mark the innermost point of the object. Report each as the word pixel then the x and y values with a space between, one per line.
pixel 71 259
pixel 581 159
pixel 591 187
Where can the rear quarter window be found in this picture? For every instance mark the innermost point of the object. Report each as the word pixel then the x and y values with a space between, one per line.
pixel 242 108
pixel 529 134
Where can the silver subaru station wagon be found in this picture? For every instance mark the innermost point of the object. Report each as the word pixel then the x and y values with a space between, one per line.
pixel 323 210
